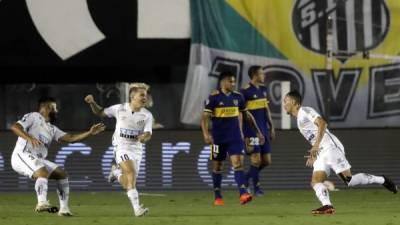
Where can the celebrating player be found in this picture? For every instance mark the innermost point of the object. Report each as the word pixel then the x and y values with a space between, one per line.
pixel 225 107
pixel 255 95
pixel 133 128
pixel 35 134
pixel 327 153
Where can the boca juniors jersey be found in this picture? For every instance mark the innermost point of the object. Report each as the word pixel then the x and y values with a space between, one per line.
pixel 256 103
pixel 225 115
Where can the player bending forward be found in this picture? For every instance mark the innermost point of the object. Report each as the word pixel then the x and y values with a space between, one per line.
pixel 133 128
pixel 327 153
pixel 35 134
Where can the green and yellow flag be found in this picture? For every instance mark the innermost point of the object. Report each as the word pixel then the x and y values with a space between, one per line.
pixel 291 40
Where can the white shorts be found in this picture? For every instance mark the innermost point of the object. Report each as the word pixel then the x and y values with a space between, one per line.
pixel 331 157
pixel 27 164
pixel 124 153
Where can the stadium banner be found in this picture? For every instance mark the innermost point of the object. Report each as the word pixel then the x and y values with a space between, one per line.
pixel 179 160
pixel 288 38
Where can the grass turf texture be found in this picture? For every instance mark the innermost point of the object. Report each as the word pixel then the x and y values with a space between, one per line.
pixel 362 206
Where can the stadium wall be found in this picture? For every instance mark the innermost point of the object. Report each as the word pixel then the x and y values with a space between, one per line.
pixel 178 160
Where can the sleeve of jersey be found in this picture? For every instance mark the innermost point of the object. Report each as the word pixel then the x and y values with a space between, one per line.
pixel 111 111
pixel 58 133
pixel 311 114
pixel 242 104
pixel 209 105
pixel 27 120
pixel 148 127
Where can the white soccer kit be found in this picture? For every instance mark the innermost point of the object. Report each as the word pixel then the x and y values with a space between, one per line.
pixel 129 125
pixel 331 155
pixel 25 159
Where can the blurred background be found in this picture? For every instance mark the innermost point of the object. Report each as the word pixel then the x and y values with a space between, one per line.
pixel 343 56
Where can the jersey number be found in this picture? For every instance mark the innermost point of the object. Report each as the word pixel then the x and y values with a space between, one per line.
pixel 254 141
pixel 124 157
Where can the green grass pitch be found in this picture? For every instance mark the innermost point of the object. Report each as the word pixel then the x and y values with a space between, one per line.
pixel 361 206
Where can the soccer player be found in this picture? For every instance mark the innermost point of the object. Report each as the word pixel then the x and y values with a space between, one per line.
pixel 133 128
pixel 226 107
pixel 255 95
pixel 326 153
pixel 35 133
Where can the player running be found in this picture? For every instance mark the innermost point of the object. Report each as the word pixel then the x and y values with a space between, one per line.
pixel 35 134
pixel 226 107
pixel 133 128
pixel 255 95
pixel 327 153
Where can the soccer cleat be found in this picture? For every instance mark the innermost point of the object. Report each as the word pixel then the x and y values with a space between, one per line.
pixel 141 211
pixel 258 193
pixel 64 211
pixel 111 177
pixel 45 207
pixel 326 209
pixel 389 184
pixel 218 202
pixel 245 198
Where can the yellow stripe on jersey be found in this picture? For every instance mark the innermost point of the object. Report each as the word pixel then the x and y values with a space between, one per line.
pixel 226 112
pixel 257 104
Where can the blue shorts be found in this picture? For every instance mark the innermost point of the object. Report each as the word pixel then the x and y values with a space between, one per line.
pixel 219 151
pixel 262 149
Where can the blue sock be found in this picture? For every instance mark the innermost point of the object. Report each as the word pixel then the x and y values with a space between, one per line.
pixel 240 179
pixel 254 174
pixel 217 180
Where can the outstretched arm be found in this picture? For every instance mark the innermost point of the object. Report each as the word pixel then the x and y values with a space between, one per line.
pixel 19 130
pixel 94 130
pixel 96 109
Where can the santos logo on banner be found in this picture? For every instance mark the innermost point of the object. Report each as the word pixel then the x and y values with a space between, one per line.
pixel 358 87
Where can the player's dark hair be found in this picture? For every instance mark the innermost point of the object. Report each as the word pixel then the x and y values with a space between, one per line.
pixel 296 96
pixel 225 74
pixel 253 71
pixel 45 99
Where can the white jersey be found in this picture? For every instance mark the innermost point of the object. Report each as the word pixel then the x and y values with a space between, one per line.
pixel 36 126
pixel 129 124
pixel 305 122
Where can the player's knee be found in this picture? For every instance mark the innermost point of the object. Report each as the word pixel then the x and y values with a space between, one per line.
pixel 43 173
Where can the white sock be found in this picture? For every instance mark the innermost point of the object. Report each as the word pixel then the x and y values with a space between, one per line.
pixel 41 189
pixel 118 174
pixel 322 193
pixel 133 196
pixel 364 178
pixel 63 192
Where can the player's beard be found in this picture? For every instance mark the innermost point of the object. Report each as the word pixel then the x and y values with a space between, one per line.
pixel 52 117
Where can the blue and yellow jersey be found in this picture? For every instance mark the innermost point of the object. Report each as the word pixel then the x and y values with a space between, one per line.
pixel 257 104
pixel 225 115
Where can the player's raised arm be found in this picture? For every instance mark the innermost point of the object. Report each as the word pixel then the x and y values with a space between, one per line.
pixel 96 109
pixel 94 130
pixel 250 119
pixel 205 121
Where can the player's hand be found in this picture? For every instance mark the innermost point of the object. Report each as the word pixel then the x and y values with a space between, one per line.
pixel 261 138
pixel 314 151
pixel 89 99
pixel 34 142
pixel 208 139
pixel 97 128
pixel 249 146
pixel 310 161
pixel 272 134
